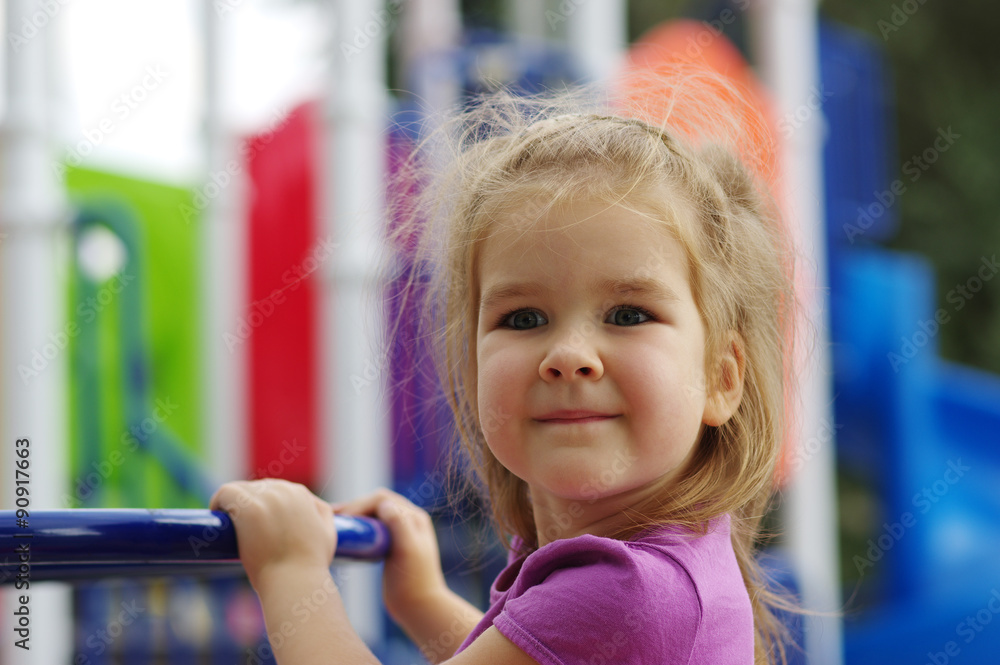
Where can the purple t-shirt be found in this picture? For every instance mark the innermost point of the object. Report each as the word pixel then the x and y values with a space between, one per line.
pixel 666 597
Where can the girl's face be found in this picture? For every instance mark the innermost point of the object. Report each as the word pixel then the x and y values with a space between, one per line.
pixel 591 355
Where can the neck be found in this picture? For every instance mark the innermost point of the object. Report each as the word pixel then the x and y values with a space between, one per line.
pixel 557 518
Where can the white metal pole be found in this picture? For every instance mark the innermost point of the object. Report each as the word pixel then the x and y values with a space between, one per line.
pixel 34 329
pixel 223 269
pixel 355 411
pixel 788 48
pixel 428 35
pixel 597 34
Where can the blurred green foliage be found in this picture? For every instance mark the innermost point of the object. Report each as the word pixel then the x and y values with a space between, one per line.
pixel 945 65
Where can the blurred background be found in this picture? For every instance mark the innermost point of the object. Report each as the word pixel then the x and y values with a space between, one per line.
pixel 191 214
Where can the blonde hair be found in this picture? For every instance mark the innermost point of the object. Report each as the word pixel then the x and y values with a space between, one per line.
pixel 506 151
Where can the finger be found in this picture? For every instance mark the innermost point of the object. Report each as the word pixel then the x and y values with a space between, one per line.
pixel 226 496
pixel 322 507
pixel 396 511
pixel 368 505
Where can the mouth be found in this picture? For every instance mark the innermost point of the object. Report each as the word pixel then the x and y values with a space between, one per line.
pixel 578 417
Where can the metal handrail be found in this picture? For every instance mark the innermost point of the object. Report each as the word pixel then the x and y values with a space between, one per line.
pixel 72 545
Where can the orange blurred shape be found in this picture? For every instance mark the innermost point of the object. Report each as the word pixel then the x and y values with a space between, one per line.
pixel 688 78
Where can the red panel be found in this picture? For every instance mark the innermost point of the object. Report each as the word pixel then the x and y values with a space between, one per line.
pixel 283 307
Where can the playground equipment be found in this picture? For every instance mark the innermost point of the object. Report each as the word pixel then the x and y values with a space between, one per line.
pixel 72 545
pixel 905 421
pixel 919 432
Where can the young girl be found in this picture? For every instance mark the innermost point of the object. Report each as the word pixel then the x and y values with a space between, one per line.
pixel 611 305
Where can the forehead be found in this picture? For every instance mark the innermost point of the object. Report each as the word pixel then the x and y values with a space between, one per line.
pixel 606 241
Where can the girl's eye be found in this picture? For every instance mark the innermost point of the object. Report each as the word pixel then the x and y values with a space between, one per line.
pixel 628 316
pixel 523 319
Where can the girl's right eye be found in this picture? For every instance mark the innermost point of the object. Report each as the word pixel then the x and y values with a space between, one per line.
pixel 523 319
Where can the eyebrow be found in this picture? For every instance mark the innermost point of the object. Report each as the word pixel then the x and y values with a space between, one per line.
pixel 501 292
pixel 636 286
pixel 639 286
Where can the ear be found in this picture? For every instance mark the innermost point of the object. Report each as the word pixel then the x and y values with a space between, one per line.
pixel 724 397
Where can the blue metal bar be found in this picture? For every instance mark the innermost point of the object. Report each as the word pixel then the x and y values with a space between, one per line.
pixel 92 543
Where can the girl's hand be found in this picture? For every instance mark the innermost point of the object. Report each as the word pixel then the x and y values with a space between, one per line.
pixel 413 578
pixel 279 525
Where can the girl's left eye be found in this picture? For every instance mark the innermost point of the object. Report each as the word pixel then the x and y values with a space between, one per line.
pixel 523 319
pixel 628 316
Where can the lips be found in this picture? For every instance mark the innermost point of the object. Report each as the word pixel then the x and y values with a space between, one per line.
pixel 574 417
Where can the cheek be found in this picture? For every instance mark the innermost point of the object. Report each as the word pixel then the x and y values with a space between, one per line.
pixel 499 372
pixel 667 398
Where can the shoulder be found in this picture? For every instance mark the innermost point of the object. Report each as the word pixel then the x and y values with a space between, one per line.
pixel 658 560
pixel 661 593
pixel 592 565
pixel 590 595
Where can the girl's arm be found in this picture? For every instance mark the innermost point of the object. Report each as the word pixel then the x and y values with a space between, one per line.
pixel 286 541
pixel 414 589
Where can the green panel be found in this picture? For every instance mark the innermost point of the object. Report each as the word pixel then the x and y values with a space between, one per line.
pixel 159 308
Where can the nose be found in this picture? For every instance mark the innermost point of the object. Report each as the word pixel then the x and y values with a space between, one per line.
pixel 571 360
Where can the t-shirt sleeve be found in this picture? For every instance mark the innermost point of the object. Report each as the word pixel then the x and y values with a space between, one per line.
pixel 602 601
